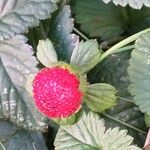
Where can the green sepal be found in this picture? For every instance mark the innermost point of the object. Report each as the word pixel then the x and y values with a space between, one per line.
pixel 100 96
pixel 70 120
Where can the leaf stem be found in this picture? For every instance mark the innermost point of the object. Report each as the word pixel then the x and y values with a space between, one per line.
pixel 122 98
pixel 129 47
pixel 81 34
pixel 43 33
pixel 122 43
pixel 2 146
pixel 125 124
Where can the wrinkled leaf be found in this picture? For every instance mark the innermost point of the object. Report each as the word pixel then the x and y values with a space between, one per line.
pixel 139 72
pixel 100 97
pixel 137 4
pixel 46 53
pixel 60 30
pixel 17 15
pixel 16 63
pixel 13 139
pixel 98 19
pixel 90 133
pixel 86 55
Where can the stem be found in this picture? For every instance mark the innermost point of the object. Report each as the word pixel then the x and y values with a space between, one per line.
pixel 122 43
pixel 125 99
pixel 125 124
pixel 44 36
pixel 79 33
pixel 2 146
pixel 124 49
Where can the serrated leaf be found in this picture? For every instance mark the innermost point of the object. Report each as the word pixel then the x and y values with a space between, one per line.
pixel 90 134
pixel 46 52
pixel 86 55
pixel 139 73
pixel 60 30
pixel 113 70
pixel 12 139
pixel 16 63
pixel 100 97
pixel 98 19
pixel 17 15
pixel 137 4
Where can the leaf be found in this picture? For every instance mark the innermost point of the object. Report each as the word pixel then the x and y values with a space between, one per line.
pixel 138 19
pixel 16 16
pixel 12 139
pixel 139 73
pixel 16 63
pixel 86 55
pixel 98 19
pixel 100 97
pixel 90 134
pixel 137 4
pixel 113 70
pixel 46 52
pixel 60 30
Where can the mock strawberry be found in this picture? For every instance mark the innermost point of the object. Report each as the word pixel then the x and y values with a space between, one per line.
pixel 56 92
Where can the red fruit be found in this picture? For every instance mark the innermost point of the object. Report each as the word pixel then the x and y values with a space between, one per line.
pixel 56 92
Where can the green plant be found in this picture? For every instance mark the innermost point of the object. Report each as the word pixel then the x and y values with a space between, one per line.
pixel 93 93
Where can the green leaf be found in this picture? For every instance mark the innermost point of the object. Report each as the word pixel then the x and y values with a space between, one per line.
pixel 139 19
pixel 46 52
pixel 139 73
pixel 16 16
pixel 86 55
pixel 13 139
pixel 113 70
pixel 98 19
pixel 137 4
pixel 60 30
pixel 100 97
pixel 90 134
pixel 16 63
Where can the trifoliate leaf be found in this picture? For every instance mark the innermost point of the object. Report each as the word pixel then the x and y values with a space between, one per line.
pixel 139 73
pixel 89 133
pixel 46 53
pixel 60 30
pixel 98 19
pixel 13 139
pixel 16 63
pixel 17 15
pixel 113 70
pixel 137 4
pixel 100 96
pixel 86 55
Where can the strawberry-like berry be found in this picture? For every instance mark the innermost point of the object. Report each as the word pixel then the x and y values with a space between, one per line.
pixel 56 92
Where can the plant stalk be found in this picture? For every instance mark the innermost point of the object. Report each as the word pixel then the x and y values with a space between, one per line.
pixel 122 43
